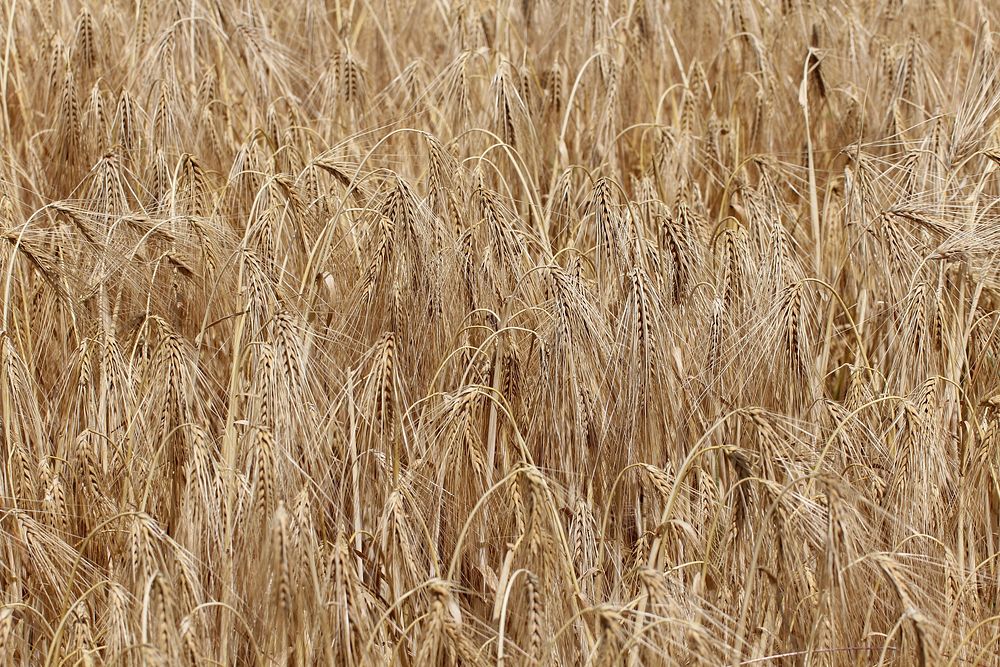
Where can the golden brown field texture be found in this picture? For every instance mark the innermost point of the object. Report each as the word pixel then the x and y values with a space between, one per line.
pixel 499 332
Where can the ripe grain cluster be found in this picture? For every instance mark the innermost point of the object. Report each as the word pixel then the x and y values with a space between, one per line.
pixel 483 332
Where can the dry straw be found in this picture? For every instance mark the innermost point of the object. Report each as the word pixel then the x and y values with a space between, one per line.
pixel 573 332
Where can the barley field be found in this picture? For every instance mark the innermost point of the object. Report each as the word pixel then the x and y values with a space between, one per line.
pixel 495 332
